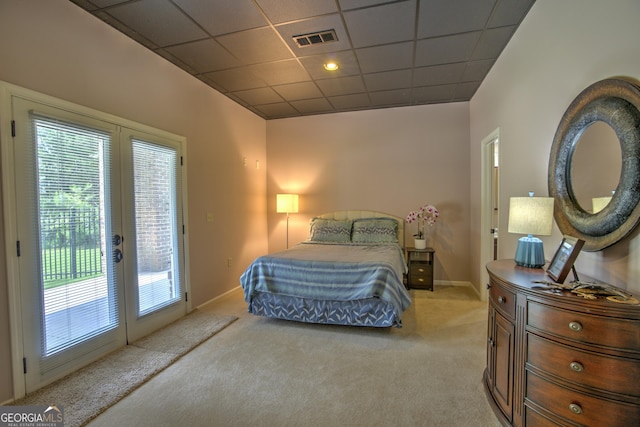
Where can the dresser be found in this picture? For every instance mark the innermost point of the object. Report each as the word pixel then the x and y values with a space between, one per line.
pixel 555 358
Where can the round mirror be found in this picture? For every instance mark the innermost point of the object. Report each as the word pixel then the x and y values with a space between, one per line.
pixel 595 167
pixel 614 103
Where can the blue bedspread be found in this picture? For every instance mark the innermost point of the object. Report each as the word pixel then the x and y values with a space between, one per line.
pixel 331 272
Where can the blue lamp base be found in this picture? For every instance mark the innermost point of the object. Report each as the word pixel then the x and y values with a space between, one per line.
pixel 530 252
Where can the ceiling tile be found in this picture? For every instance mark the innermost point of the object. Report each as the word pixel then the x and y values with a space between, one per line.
pixel 289 10
pixel 275 111
pixel 510 12
pixel 255 46
pixel 224 16
pixel 435 16
pixel 341 86
pixel 385 58
pixel 133 34
pixel 388 80
pixel 297 91
pixel 311 25
pixel 346 60
pixel 492 42
pixel 438 74
pixel 349 102
pixel 391 97
pixel 433 94
pixel 236 79
pixel 281 72
pixel 444 50
pixel 385 24
pixel 159 21
pixel 106 3
pixel 477 70
pixel 312 106
pixel 263 95
pixel 176 61
pixel 204 55
pixel 464 91
pixel 356 4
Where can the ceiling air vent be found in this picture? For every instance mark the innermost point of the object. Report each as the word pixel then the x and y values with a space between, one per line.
pixel 327 36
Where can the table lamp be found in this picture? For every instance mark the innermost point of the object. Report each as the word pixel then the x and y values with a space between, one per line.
pixel 287 203
pixel 530 215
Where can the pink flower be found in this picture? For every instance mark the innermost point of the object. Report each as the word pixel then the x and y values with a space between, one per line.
pixel 427 212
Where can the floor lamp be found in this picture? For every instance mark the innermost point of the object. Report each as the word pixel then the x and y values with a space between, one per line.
pixel 287 203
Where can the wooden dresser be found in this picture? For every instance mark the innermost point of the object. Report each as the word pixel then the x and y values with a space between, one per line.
pixel 555 358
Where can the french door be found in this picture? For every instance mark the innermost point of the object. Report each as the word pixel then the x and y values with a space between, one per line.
pixel 100 242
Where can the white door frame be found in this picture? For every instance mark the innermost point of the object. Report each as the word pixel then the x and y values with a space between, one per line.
pixel 486 208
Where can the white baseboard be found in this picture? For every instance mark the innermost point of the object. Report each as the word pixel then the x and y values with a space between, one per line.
pixel 220 297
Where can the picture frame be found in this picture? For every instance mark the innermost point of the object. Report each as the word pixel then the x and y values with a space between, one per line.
pixel 564 258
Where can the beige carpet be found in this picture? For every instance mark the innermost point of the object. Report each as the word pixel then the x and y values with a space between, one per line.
pixel 265 372
pixel 86 393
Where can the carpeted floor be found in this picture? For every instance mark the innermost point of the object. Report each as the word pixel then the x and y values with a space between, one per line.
pixel 265 372
pixel 86 393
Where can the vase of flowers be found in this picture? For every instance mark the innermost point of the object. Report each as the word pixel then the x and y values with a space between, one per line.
pixel 426 214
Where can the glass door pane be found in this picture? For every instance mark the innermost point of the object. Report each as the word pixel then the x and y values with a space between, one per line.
pixel 154 248
pixel 78 293
pixel 67 188
pixel 154 168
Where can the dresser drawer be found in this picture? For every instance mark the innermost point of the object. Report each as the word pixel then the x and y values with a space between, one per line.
pixel 503 299
pixel 590 369
pixel 578 407
pixel 605 331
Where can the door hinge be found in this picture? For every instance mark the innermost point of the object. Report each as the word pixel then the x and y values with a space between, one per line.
pixel 24 365
pixel 182 228
pixel 181 161
pixel 13 128
pixel 18 248
pixel 186 296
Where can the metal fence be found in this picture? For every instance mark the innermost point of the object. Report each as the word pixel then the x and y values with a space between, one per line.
pixel 70 243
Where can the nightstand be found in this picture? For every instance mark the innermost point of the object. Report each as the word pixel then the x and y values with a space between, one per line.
pixel 420 262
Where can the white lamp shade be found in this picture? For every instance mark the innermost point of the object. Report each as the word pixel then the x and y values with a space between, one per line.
pixel 286 203
pixel 531 215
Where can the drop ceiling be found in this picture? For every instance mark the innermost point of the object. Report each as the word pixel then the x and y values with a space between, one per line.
pixel 389 53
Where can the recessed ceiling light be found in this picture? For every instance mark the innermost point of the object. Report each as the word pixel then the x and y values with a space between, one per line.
pixel 330 66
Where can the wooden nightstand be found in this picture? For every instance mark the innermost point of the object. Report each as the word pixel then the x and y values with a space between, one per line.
pixel 420 262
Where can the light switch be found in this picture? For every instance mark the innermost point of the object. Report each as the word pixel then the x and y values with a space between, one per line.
pixel 209 217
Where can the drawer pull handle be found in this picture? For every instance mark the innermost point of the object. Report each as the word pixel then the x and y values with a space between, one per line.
pixel 576 366
pixel 575 326
pixel 502 299
pixel 575 408
pixel 421 270
pixel 421 280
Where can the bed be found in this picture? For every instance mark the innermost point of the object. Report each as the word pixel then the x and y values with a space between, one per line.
pixel 349 272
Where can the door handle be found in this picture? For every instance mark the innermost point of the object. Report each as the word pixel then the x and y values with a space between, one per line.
pixel 117 255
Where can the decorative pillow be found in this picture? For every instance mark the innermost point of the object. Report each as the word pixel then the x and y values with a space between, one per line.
pixel 330 230
pixel 375 230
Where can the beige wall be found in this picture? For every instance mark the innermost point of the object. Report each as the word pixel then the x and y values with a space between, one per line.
pixel 56 48
pixel 561 48
pixel 391 160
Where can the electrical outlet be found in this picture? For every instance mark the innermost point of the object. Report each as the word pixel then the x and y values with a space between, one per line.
pixel 209 217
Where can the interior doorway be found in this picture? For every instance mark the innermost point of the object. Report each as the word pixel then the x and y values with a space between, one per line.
pixel 490 205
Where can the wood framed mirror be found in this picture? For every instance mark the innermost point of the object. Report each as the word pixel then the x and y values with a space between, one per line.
pixel 616 103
